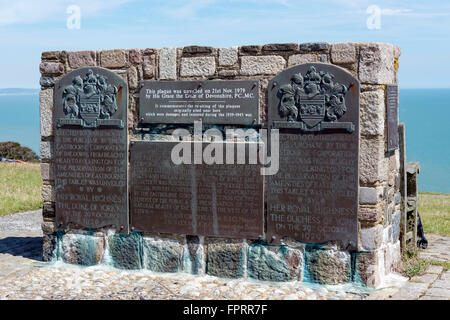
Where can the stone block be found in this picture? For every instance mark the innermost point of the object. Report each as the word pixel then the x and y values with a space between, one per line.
pixel 162 255
pixel 113 58
pixel 82 249
pixel 371 195
pixel 48 227
pixel 50 55
pixel 49 242
pixel 372 164
pixel 280 47
pixel 79 59
pixel 367 269
pixel 132 78
pixel 46 149
pixel 372 112
pixel 51 68
pixel 46 112
pixel 197 50
pixel 297 59
pixel 275 263
pixel 194 255
pixel 228 56
pixel 47 171
pixel 135 56
pixel 376 63
pixel 370 214
pixel 228 73
pixel 47 193
pixel 398 198
pixel 327 266
pixel 250 50
pixel 148 67
pixel 48 211
pixel 343 53
pixel 198 67
pixel 126 250
pixel 226 259
pixel 167 63
pixel 315 46
pixel 397 52
pixel 46 82
pixel 396 225
pixel 261 65
pixel 371 238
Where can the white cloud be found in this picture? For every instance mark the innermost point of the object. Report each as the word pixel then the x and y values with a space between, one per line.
pixel 33 11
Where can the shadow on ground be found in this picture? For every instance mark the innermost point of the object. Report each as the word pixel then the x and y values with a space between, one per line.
pixel 27 247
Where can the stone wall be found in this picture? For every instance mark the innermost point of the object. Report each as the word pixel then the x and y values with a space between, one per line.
pixel 374 64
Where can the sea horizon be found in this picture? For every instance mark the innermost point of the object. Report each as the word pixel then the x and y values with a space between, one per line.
pixel 427 137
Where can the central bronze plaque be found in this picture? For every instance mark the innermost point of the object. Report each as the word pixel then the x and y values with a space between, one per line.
pixel 314 196
pixel 91 150
pixel 220 200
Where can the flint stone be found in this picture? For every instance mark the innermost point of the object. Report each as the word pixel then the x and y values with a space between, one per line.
pixel 148 67
pixel 48 247
pixel 198 67
pixel 113 58
pixel 193 256
pixel 328 266
pixel 197 50
pixel 125 250
pixel 398 198
pixel 280 47
pixel 226 260
pixel 372 108
pixel 317 46
pixel 162 255
pixel 46 82
pixel 135 56
pixel 396 225
pixel 370 214
pixel 376 63
pixel 48 227
pixel 262 65
pixel 46 112
pixel 47 171
pixel 78 59
pixel 297 59
pixel 371 238
pixel 367 269
pixel 82 249
pixel 274 263
pixel 46 149
pixel 373 166
pixel 250 50
pixel 370 195
pixel 343 53
pixel 48 193
pixel 51 68
pixel 50 55
pixel 48 211
pixel 228 56
pixel 167 63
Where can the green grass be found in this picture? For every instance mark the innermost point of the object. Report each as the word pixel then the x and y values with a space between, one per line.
pixel 443 264
pixel 434 211
pixel 20 187
pixel 412 265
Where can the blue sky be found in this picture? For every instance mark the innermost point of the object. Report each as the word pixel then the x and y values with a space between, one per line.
pixel 420 28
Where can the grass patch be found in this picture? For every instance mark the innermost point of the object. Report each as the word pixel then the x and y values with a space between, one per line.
pixel 443 264
pixel 412 265
pixel 20 187
pixel 434 209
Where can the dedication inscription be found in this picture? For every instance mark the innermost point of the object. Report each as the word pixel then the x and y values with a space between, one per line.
pixel 314 196
pixel 219 200
pixel 217 102
pixel 392 116
pixel 91 150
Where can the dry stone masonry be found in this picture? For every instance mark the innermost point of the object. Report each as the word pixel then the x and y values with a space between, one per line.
pixel 367 259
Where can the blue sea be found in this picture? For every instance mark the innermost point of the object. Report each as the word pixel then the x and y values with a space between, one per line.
pixel 425 112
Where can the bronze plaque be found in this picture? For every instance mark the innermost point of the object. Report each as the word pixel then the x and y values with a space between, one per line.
pixel 392 116
pixel 90 120
pixel 213 102
pixel 314 196
pixel 220 200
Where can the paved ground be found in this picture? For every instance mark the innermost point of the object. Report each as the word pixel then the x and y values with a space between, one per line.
pixel 24 276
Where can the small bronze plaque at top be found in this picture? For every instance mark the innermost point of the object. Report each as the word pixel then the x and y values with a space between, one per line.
pixel 392 116
pixel 214 102
pixel 91 150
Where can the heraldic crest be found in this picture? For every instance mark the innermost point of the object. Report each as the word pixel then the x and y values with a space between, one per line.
pixel 313 102
pixel 89 102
